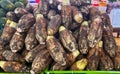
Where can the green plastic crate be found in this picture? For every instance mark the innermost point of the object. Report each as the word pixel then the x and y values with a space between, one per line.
pixel 82 72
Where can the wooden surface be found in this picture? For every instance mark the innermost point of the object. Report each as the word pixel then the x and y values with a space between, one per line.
pixel 117 30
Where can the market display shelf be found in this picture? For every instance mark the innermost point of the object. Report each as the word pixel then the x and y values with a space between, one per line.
pixel 47 71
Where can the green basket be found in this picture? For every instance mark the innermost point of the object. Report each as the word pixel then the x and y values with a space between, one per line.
pixel 82 72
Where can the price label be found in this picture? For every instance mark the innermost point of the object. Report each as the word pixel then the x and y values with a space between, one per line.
pixel 95 2
pixel 66 2
pixel 103 3
pixel 115 17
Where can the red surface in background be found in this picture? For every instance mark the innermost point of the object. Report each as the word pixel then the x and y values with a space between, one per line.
pixel 37 1
pixel 95 4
